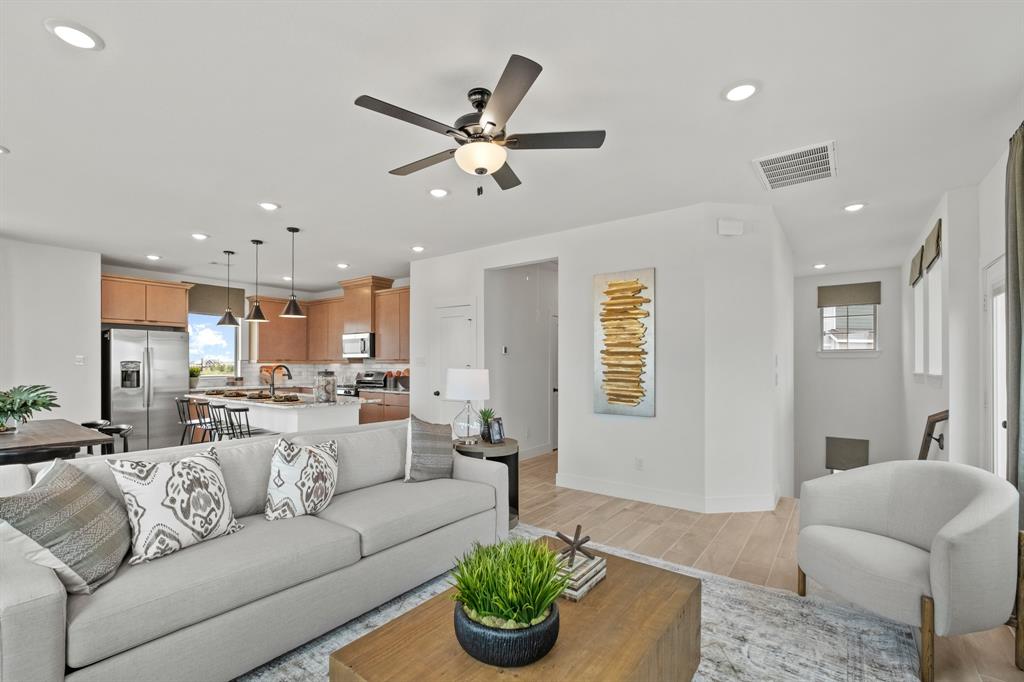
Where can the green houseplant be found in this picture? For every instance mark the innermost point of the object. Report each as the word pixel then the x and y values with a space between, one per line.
pixel 486 415
pixel 505 611
pixel 18 404
pixel 193 375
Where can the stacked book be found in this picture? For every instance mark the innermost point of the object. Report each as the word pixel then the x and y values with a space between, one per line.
pixel 583 575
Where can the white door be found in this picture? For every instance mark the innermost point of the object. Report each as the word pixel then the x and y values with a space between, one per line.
pixel 456 348
pixel 553 380
pixel 995 367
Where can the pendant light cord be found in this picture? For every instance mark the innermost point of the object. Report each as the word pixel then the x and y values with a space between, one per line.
pixel 228 290
pixel 293 265
pixel 257 273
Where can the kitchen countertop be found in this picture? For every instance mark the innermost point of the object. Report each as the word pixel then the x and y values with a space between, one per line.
pixel 385 390
pixel 343 401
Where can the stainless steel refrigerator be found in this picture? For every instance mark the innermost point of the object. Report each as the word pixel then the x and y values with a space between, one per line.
pixel 143 372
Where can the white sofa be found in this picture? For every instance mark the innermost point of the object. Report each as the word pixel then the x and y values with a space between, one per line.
pixel 930 544
pixel 218 609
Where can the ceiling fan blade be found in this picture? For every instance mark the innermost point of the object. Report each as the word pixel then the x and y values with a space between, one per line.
pixel 506 177
pixel 583 139
pixel 519 75
pixel 381 107
pixel 431 160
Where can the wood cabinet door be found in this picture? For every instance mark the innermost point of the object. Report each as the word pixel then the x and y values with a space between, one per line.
pixel 403 325
pixel 386 314
pixel 122 301
pixel 280 338
pixel 316 331
pixel 335 328
pixel 393 412
pixel 169 305
pixel 371 412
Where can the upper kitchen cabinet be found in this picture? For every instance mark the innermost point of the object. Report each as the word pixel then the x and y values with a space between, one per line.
pixel 132 300
pixel 279 338
pixel 360 308
pixel 391 317
pixel 325 320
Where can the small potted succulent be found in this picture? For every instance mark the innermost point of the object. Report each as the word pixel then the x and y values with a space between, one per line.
pixel 21 402
pixel 193 375
pixel 486 415
pixel 505 594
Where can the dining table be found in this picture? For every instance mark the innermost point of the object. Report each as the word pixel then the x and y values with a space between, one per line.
pixel 40 440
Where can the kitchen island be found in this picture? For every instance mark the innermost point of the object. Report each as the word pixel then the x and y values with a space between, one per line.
pixel 286 417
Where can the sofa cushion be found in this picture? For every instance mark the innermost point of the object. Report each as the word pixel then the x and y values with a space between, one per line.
pixel 881 574
pixel 146 601
pixel 367 455
pixel 391 513
pixel 429 454
pixel 302 479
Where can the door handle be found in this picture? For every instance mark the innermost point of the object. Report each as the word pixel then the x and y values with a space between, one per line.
pixel 1004 423
pixel 437 394
pixel 555 389
pixel 362 346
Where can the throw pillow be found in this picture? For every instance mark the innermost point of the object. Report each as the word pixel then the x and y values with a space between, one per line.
pixel 173 505
pixel 302 479
pixel 68 522
pixel 431 454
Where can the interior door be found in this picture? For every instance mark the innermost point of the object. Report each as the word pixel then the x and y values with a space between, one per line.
pixel 456 348
pixel 995 367
pixel 553 382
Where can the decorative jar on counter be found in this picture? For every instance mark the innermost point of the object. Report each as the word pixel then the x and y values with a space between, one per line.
pixel 326 390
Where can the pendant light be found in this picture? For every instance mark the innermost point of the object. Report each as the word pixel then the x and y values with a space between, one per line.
pixel 293 309
pixel 229 319
pixel 255 312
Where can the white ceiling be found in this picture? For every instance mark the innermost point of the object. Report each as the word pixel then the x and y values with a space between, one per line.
pixel 195 111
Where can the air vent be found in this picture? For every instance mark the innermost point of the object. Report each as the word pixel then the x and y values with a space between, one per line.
pixel 815 162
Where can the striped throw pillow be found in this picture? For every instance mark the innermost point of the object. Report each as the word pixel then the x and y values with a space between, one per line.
pixel 431 454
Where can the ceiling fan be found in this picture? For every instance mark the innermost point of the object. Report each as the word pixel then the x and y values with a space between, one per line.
pixel 483 141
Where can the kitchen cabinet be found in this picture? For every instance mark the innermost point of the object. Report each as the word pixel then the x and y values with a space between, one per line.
pixel 396 406
pixel 279 339
pixel 336 311
pixel 132 300
pixel 360 302
pixel 391 406
pixel 325 320
pixel 391 316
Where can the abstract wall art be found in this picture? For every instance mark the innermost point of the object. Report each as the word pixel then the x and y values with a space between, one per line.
pixel 624 343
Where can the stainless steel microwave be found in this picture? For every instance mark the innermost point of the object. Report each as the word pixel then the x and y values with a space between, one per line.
pixel 357 345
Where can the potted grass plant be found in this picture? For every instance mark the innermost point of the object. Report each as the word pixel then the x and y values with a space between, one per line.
pixel 505 602
pixel 18 404
pixel 194 371
pixel 486 415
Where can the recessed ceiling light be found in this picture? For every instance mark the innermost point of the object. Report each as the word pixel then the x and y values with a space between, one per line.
pixel 269 205
pixel 738 93
pixel 286 278
pixel 199 236
pixel 820 266
pixel 418 249
pixel 4 150
pixel 343 266
pixel 439 193
pixel 153 256
pixel 74 34
pixel 853 208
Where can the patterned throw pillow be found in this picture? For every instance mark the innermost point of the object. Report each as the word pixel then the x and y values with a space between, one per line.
pixel 430 451
pixel 302 479
pixel 69 523
pixel 172 505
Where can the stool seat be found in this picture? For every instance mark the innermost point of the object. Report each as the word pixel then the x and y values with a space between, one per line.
pixel 116 430
pixel 96 423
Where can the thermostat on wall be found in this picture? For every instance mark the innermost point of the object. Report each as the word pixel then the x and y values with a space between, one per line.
pixel 730 228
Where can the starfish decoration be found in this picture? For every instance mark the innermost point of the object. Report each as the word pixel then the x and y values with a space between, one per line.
pixel 575 544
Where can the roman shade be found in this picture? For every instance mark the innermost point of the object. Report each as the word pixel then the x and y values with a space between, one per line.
pixel 933 245
pixel 845 453
pixel 916 272
pixel 863 293
pixel 208 299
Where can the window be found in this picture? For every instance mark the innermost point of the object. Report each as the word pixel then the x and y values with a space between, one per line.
pixel 214 348
pixel 934 281
pixel 919 328
pixel 848 327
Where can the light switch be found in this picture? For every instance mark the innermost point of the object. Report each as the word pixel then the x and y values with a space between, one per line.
pixel 80 360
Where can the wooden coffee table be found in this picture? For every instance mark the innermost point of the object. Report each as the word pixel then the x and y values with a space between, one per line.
pixel 639 623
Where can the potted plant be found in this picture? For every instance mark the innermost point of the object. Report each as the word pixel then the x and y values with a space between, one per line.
pixel 486 415
pixel 193 375
pixel 21 402
pixel 505 610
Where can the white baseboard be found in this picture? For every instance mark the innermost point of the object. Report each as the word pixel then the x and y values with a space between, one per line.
pixel 629 491
pixel 535 451
pixel 740 503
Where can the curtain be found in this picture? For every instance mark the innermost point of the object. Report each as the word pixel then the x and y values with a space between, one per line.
pixel 1014 290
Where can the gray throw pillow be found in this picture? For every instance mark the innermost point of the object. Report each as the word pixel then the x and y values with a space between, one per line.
pixel 68 522
pixel 431 454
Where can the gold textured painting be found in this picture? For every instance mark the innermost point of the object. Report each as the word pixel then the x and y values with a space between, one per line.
pixel 624 343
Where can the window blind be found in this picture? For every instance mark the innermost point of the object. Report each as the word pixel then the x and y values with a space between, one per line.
pixel 208 299
pixel 915 267
pixel 863 293
pixel 933 245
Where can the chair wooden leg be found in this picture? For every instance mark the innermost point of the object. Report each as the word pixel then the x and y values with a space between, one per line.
pixel 927 639
pixel 801 582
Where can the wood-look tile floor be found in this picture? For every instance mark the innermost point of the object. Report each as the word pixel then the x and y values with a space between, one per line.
pixel 759 547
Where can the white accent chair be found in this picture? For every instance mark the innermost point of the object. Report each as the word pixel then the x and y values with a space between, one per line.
pixel 930 544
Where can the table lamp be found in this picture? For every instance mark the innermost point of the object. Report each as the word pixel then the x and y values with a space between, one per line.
pixel 468 385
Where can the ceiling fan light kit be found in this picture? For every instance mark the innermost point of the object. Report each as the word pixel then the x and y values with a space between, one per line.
pixel 480 134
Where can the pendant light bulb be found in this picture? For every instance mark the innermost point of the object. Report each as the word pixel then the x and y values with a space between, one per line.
pixel 256 312
pixel 228 319
pixel 293 309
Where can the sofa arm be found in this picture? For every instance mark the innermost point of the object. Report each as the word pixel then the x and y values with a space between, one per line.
pixel 857 499
pixel 494 474
pixel 32 621
pixel 974 566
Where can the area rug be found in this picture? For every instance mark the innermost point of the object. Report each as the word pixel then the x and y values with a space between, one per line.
pixel 748 634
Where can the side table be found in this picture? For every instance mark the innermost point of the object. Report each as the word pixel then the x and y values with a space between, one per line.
pixel 507 453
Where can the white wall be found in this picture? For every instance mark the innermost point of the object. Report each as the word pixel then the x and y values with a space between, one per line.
pixel 859 395
pixel 522 301
pixel 713 444
pixel 50 315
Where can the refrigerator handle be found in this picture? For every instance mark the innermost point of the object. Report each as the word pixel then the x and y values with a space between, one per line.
pixel 147 363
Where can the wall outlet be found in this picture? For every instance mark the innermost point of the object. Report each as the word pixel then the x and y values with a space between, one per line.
pixel 638 463
pixel 527 433
pixel 80 360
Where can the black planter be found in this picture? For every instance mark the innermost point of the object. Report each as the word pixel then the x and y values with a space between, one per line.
pixel 506 648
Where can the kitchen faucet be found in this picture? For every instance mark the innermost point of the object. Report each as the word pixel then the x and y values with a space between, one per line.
pixel 273 373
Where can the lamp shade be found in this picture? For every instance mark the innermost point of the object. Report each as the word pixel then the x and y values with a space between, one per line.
pixel 480 158
pixel 293 309
pixel 467 384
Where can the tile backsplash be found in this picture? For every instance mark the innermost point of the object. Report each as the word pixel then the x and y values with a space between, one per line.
pixel 305 374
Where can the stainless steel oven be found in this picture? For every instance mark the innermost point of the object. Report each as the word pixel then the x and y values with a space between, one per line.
pixel 357 345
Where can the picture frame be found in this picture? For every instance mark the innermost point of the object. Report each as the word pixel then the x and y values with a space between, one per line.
pixel 496 431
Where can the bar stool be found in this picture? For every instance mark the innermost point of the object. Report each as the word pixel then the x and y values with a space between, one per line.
pixel 185 419
pixel 205 419
pixel 239 419
pixel 121 430
pixel 95 425
pixel 220 422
